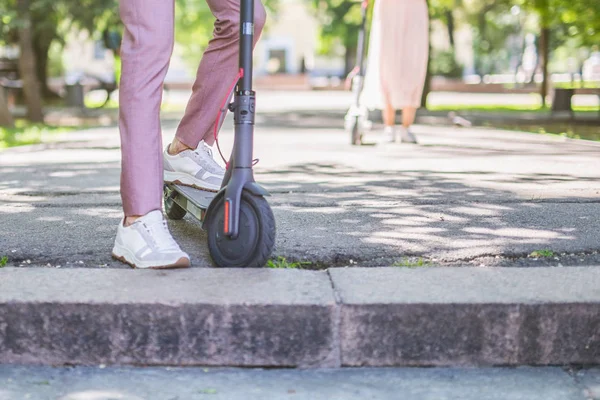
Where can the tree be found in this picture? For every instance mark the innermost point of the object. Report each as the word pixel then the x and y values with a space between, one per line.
pixel 6 119
pixel 27 64
pixel 50 21
pixel 194 26
pixel 340 23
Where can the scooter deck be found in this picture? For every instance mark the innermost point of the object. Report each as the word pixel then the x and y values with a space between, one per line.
pixel 194 201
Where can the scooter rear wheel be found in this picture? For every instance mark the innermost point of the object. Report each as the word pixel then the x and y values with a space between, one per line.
pixel 172 209
pixel 256 237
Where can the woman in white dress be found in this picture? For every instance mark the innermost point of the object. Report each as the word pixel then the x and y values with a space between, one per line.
pixel 397 63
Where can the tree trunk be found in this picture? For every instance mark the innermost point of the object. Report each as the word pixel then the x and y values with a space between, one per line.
pixel 350 59
pixel 41 50
pixel 6 118
pixel 427 86
pixel 450 26
pixel 42 39
pixel 27 65
pixel 545 56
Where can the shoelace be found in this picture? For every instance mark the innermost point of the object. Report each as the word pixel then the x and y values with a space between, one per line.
pixel 159 232
pixel 204 147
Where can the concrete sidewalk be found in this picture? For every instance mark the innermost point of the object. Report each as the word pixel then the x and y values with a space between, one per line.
pixel 461 197
pixel 44 383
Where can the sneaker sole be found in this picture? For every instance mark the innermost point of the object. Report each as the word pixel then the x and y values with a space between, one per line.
pixel 182 262
pixel 187 180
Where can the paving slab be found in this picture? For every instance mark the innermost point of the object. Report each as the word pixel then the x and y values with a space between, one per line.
pixel 251 384
pixel 468 316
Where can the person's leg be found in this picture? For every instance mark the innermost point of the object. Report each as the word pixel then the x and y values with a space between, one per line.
pixel 389 119
pixel 218 68
pixel 408 116
pixel 143 239
pixel 389 115
pixel 145 54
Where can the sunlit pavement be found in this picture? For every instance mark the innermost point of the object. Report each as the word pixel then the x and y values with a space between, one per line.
pixel 93 383
pixel 462 196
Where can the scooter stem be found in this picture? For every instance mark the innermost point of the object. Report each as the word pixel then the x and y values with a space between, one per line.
pixel 240 174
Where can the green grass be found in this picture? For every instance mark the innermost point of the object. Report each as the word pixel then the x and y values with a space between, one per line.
pixel 111 105
pixel 505 108
pixel 3 261
pixel 565 129
pixel 542 254
pixel 282 263
pixel 573 130
pixel 408 263
pixel 166 106
pixel 27 133
pixel 577 85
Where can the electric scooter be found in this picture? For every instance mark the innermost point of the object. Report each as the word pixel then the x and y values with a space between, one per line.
pixel 238 219
pixel 357 118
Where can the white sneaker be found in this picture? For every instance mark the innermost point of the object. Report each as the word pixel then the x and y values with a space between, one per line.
pixel 389 134
pixel 147 243
pixel 406 136
pixel 195 168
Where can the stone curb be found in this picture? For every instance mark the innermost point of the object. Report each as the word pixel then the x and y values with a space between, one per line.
pixel 290 318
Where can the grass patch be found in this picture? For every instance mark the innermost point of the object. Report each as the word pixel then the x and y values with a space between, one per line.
pixel 578 85
pixel 570 129
pixel 412 263
pixel 505 108
pixel 94 103
pixel 282 263
pixel 3 261
pixel 573 131
pixel 28 133
pixel 542 254
pixel 166 106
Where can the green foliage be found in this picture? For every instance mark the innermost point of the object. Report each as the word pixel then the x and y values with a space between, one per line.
pixel 194 27
pixel 443 63
pixel 58 16
pixel 55 61
pixel 3 261
pixel 340 23
pixel 282 263
pixel 27 133
pixel 542 254
pixel 574 24
pixel 412 263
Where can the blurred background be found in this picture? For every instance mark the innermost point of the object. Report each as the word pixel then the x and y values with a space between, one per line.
pixel 530 65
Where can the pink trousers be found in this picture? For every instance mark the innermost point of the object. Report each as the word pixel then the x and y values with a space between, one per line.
pixel 145 53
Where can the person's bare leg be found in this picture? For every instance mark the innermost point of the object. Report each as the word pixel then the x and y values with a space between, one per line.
pixel 177 146
pixel 389 115
pixel 389 120
pixel 408 118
